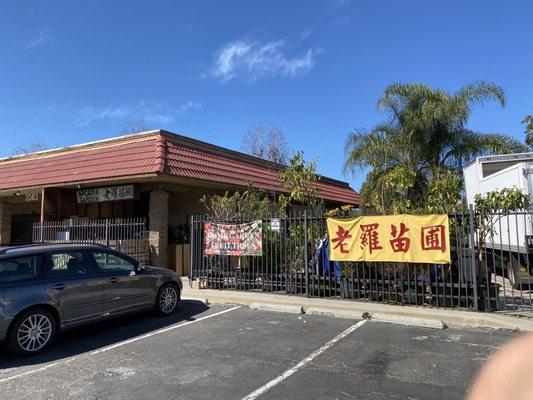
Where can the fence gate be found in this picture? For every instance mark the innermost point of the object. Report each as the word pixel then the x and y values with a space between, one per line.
pixel 128 235
pixel 478 278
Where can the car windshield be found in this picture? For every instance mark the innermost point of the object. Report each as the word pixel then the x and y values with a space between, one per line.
pixel 20 268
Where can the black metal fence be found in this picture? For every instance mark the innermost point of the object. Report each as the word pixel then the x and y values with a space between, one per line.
pixel 482 275
pixel 128 235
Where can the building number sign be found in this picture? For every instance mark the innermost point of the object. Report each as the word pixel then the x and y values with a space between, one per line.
pixel 31 197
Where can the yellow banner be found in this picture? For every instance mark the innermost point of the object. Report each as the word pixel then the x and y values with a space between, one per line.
pixel 399 238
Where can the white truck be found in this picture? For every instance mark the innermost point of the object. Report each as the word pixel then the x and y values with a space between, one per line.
pixel 510 247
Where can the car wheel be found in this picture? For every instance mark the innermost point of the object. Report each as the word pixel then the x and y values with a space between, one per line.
pixel 32 333
pixel 167 299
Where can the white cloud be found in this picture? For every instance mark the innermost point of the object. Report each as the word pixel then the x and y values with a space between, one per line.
pixel 305 34
pixel 159 118
pixel 88 114
pixel 43 36
pixel 252 60
pixel 189 105
pixel 151 111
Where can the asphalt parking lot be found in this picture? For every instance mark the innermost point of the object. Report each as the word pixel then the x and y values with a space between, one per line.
pixel 227 352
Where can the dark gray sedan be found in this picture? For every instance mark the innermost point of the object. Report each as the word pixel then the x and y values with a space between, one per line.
pixel 44 288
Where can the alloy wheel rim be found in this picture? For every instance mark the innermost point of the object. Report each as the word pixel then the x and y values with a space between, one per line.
pixel 168 299
pixel 34 332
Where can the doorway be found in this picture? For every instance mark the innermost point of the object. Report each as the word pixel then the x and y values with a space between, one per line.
pixel 22 227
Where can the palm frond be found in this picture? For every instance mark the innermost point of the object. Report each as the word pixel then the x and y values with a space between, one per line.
pixel 479 92
pixel 470 144
pixel 375 148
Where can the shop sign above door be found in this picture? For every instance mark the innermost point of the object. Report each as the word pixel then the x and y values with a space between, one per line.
pixel 113 193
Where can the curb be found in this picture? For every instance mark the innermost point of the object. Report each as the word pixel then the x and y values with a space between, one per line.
pixel 388 318
pixel 332 312
pixel 432 318
pixel 286 308
pixel 409 321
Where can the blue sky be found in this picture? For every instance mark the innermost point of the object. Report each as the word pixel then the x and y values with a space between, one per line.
pixel 73 71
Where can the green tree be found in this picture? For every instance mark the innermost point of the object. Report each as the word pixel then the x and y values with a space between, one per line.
pixel 299 179
pixel 425 139
pixel 528 120
pixel 490 208
pixel 249 203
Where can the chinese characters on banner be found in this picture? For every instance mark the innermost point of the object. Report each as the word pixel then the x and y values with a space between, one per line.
pixel 113 193
pixel 234 239
pixel 400 238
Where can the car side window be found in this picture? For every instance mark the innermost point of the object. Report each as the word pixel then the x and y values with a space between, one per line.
pixel 109 262
pixel 20 268
pixel 68 264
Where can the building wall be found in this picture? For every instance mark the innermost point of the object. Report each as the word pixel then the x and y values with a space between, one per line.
pixel 183 205
pixel 5 223
pixel 26 208
pixel 158 229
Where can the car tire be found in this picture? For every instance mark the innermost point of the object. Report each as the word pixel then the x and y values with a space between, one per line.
pixel 167 299
pixel 32 333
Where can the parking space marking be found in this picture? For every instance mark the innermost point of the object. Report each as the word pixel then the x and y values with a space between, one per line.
pixel 263 389
pixel 33 371
pixel 159 331
pixel 119 344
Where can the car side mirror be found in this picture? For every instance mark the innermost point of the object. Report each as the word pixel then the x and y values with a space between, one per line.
pixel 140 267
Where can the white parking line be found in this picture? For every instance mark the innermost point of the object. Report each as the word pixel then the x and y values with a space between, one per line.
pixel 34 371
pixel 263 389
pixel 119 344
pixel 163 330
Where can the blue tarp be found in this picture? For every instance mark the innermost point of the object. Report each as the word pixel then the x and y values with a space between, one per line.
pixel 326 267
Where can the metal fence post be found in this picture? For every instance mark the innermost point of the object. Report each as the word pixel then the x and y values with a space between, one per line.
pixel 192 250
pixel 473 255
pixel 306 264
pixel 107 232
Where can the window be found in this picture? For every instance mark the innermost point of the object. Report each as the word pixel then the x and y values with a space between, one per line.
pixel 112 263
pixel 20 268
pixel 68 264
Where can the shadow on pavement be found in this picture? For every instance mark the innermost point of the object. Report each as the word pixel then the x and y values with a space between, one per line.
pixel 71 342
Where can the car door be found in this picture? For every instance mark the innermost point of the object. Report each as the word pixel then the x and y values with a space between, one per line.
pixel 75 285
pixel 125 289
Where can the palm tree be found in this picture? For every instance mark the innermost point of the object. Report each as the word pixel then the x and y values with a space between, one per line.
pixel 528 120
pixel 425 137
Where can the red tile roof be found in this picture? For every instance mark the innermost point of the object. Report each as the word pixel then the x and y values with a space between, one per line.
pixel 194 163
pixel 134 158
pixel 158 153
